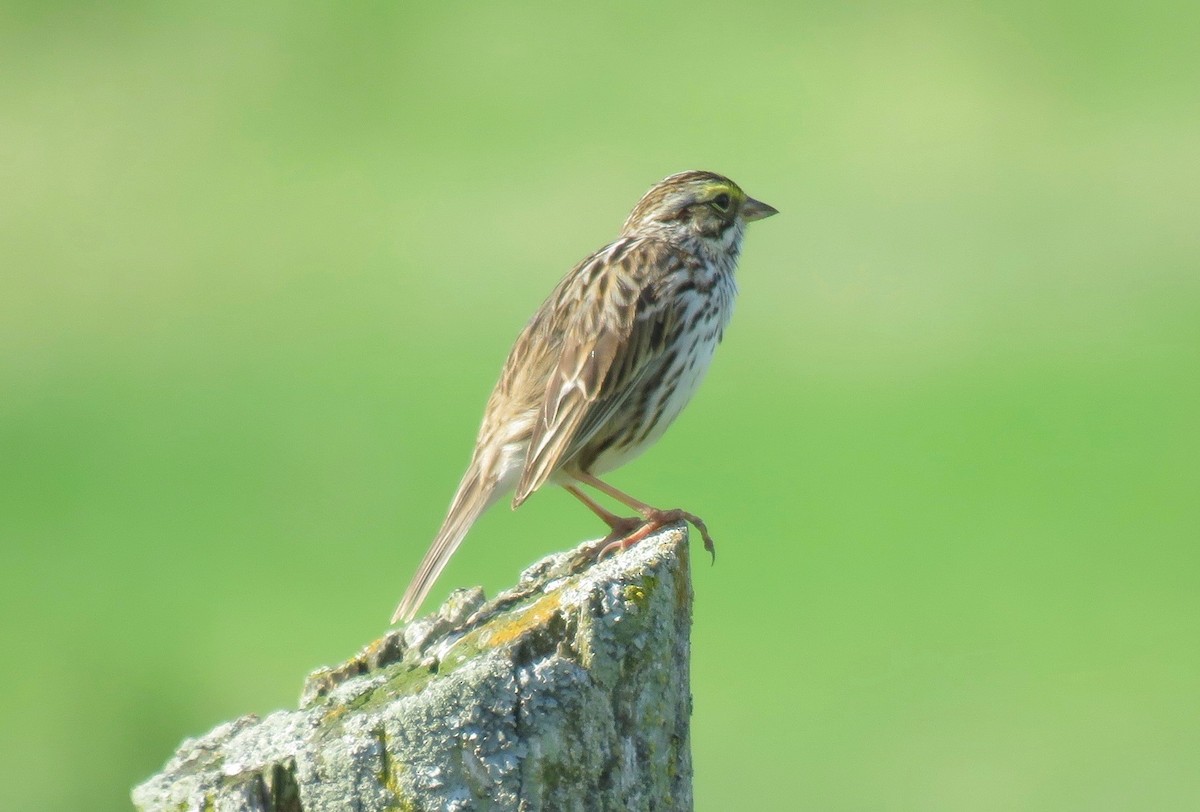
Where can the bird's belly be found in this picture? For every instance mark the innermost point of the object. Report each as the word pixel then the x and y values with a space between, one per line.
pixel 649 412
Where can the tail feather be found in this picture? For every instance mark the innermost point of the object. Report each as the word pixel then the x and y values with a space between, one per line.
pixel 474 497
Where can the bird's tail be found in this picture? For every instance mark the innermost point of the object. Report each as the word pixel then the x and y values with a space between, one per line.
pixel 476 493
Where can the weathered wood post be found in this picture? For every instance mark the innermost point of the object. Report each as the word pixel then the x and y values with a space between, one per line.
pixel 569 691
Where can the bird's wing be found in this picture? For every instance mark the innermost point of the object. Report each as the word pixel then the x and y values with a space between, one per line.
pixel 614 334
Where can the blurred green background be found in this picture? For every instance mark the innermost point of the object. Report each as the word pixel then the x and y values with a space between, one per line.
pixel 260 267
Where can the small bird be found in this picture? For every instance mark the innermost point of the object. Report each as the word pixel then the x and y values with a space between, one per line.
pixel 606 364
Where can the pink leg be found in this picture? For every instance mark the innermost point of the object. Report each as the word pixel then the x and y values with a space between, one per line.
pixel 654 517
pixel 620 525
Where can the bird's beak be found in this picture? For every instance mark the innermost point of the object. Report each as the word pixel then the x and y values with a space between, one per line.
pixel 757 210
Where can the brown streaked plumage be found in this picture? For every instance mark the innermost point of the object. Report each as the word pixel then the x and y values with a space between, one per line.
pixel 607 363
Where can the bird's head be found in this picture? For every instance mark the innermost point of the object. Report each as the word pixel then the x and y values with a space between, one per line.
pixel 696 205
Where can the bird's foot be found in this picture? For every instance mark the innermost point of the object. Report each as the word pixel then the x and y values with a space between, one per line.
pixel 622 528
pixel 630 531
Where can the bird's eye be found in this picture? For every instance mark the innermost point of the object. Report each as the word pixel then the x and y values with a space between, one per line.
pixel 721 202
